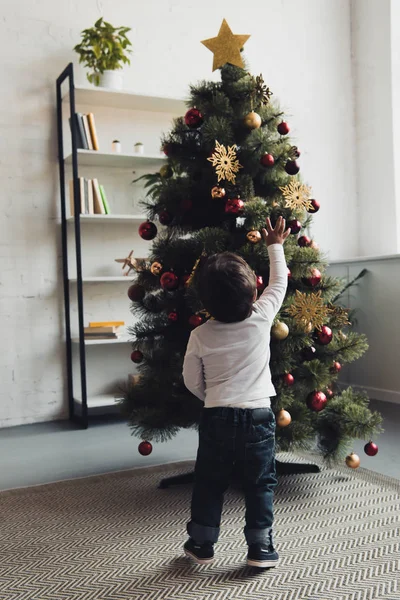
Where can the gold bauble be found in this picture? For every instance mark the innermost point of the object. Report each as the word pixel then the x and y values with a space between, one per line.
pixel 254 237
pixel 166 172
pixel 217 192
pixel 342 336
pixel 308 328
pixel 280 331
pixel 252 120
pixel 156 268
pixel 353 461
pixel 283 418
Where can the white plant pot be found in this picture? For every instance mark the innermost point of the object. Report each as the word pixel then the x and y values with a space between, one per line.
pixel 111 80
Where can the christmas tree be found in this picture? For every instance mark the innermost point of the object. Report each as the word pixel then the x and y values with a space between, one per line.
pixel 230 165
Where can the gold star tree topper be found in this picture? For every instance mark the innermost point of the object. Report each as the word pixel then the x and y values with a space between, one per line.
pixel 226 47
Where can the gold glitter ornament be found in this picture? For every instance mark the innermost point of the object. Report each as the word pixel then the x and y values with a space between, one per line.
pixel 297 195
pixel 309 308
pixel 254 237
pixel 226 47
pixel 156 268
pixel 217 192
pixel 225 162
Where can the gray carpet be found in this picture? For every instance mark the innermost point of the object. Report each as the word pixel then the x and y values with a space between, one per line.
pixel 118 537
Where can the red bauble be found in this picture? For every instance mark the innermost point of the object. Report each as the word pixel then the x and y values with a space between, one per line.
pixel 288 379
pixel 329 393
pixel 289 273
pixel 308 353
pixel 315 206
pixel 186 205
pixel 315 278
pixel 169 281
pixel 303 241
pixel 371 449
pixel 324 335
pixel 283 128
pixel 291 167
pixel 259 283
pixel 195 320
pixel 295 226
pixel 234 206
pixel 165 217
pixel 145 448
pixel 166 149
pixel 316 401
pixel 147 230
pixel 267 160
pixel 136 356
pixel 136 292
pixel 193 118
pixel 172 317
pixel 336 367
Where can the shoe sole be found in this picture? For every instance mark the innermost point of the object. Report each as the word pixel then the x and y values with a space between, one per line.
pixel 262 564
pixel 199 561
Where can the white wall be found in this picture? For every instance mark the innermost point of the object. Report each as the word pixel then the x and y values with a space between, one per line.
pixel 301 46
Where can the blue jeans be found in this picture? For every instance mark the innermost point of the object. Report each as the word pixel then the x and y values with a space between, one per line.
pixel 240 442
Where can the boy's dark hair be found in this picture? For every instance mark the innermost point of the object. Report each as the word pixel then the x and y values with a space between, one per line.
pixel 227 287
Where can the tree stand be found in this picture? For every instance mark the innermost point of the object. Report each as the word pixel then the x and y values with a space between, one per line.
pixel 281 469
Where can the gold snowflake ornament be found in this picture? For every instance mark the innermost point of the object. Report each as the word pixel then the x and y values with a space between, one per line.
pixel 297 195
pixel 225 162
pixel 309 308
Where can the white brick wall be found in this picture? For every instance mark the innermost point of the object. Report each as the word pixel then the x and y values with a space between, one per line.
pixel 301 46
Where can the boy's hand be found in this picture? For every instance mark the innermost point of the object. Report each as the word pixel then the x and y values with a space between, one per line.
pixel 277 235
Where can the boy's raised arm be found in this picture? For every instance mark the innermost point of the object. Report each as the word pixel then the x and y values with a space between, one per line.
pixel 193 375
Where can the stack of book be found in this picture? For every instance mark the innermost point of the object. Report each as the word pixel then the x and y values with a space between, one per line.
pixel 93 199
pixel 104 330
pixel 86 132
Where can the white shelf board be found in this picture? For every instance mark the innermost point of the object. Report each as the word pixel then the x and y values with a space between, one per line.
pixel 97 96
pixel 93 158
pixel 102 400
pixel 121 340
pixel 125 279
pixel 108 218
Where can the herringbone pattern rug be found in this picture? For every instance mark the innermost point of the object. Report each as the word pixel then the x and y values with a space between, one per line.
pixel 119 537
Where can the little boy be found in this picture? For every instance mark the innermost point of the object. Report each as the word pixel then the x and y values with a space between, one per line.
pixel 227 366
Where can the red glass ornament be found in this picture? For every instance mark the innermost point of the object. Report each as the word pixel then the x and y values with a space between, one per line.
pixel 267 160
pixel 289 273
pixel 315 278
pixel 169 281
pixel 147 230
pixel 283 128
pixel 308 353
pixel 234 206
pixel 136 356
pixel 166 149
pixel 186 205
pixel 172 317
pixel 371 449
pixel 292 167
pixel 195 320
pixel 259 282
pixel 329 393
pixel 294 225
pixel 315 206
pixel 316 401
pixel 303 241
pixel 136 292
pixel 145 448
pixel 336 367
pixel 165 217
pixel 193 118
pixel 288 379
pixel 324 335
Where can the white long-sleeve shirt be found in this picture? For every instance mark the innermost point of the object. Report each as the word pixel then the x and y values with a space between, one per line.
pixel 227 364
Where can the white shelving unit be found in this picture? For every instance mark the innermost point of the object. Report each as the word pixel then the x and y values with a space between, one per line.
pixel 97 365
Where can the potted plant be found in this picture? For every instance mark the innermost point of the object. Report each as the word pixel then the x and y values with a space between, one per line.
pixel 104 50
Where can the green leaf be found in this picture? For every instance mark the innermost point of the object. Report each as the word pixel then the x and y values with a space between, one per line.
pixel 98 22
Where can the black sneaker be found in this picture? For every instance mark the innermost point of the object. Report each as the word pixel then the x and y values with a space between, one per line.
pixel 203 554
pixel 262 556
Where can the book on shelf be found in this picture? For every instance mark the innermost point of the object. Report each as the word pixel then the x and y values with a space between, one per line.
pixel 87 131
pixel 93 132
pixel 95 324
pixel 101 330
pixel 81 195
pixel 97 199
pixel 90 196
pixel 104 199
pixel 81 128
pixel 101 336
